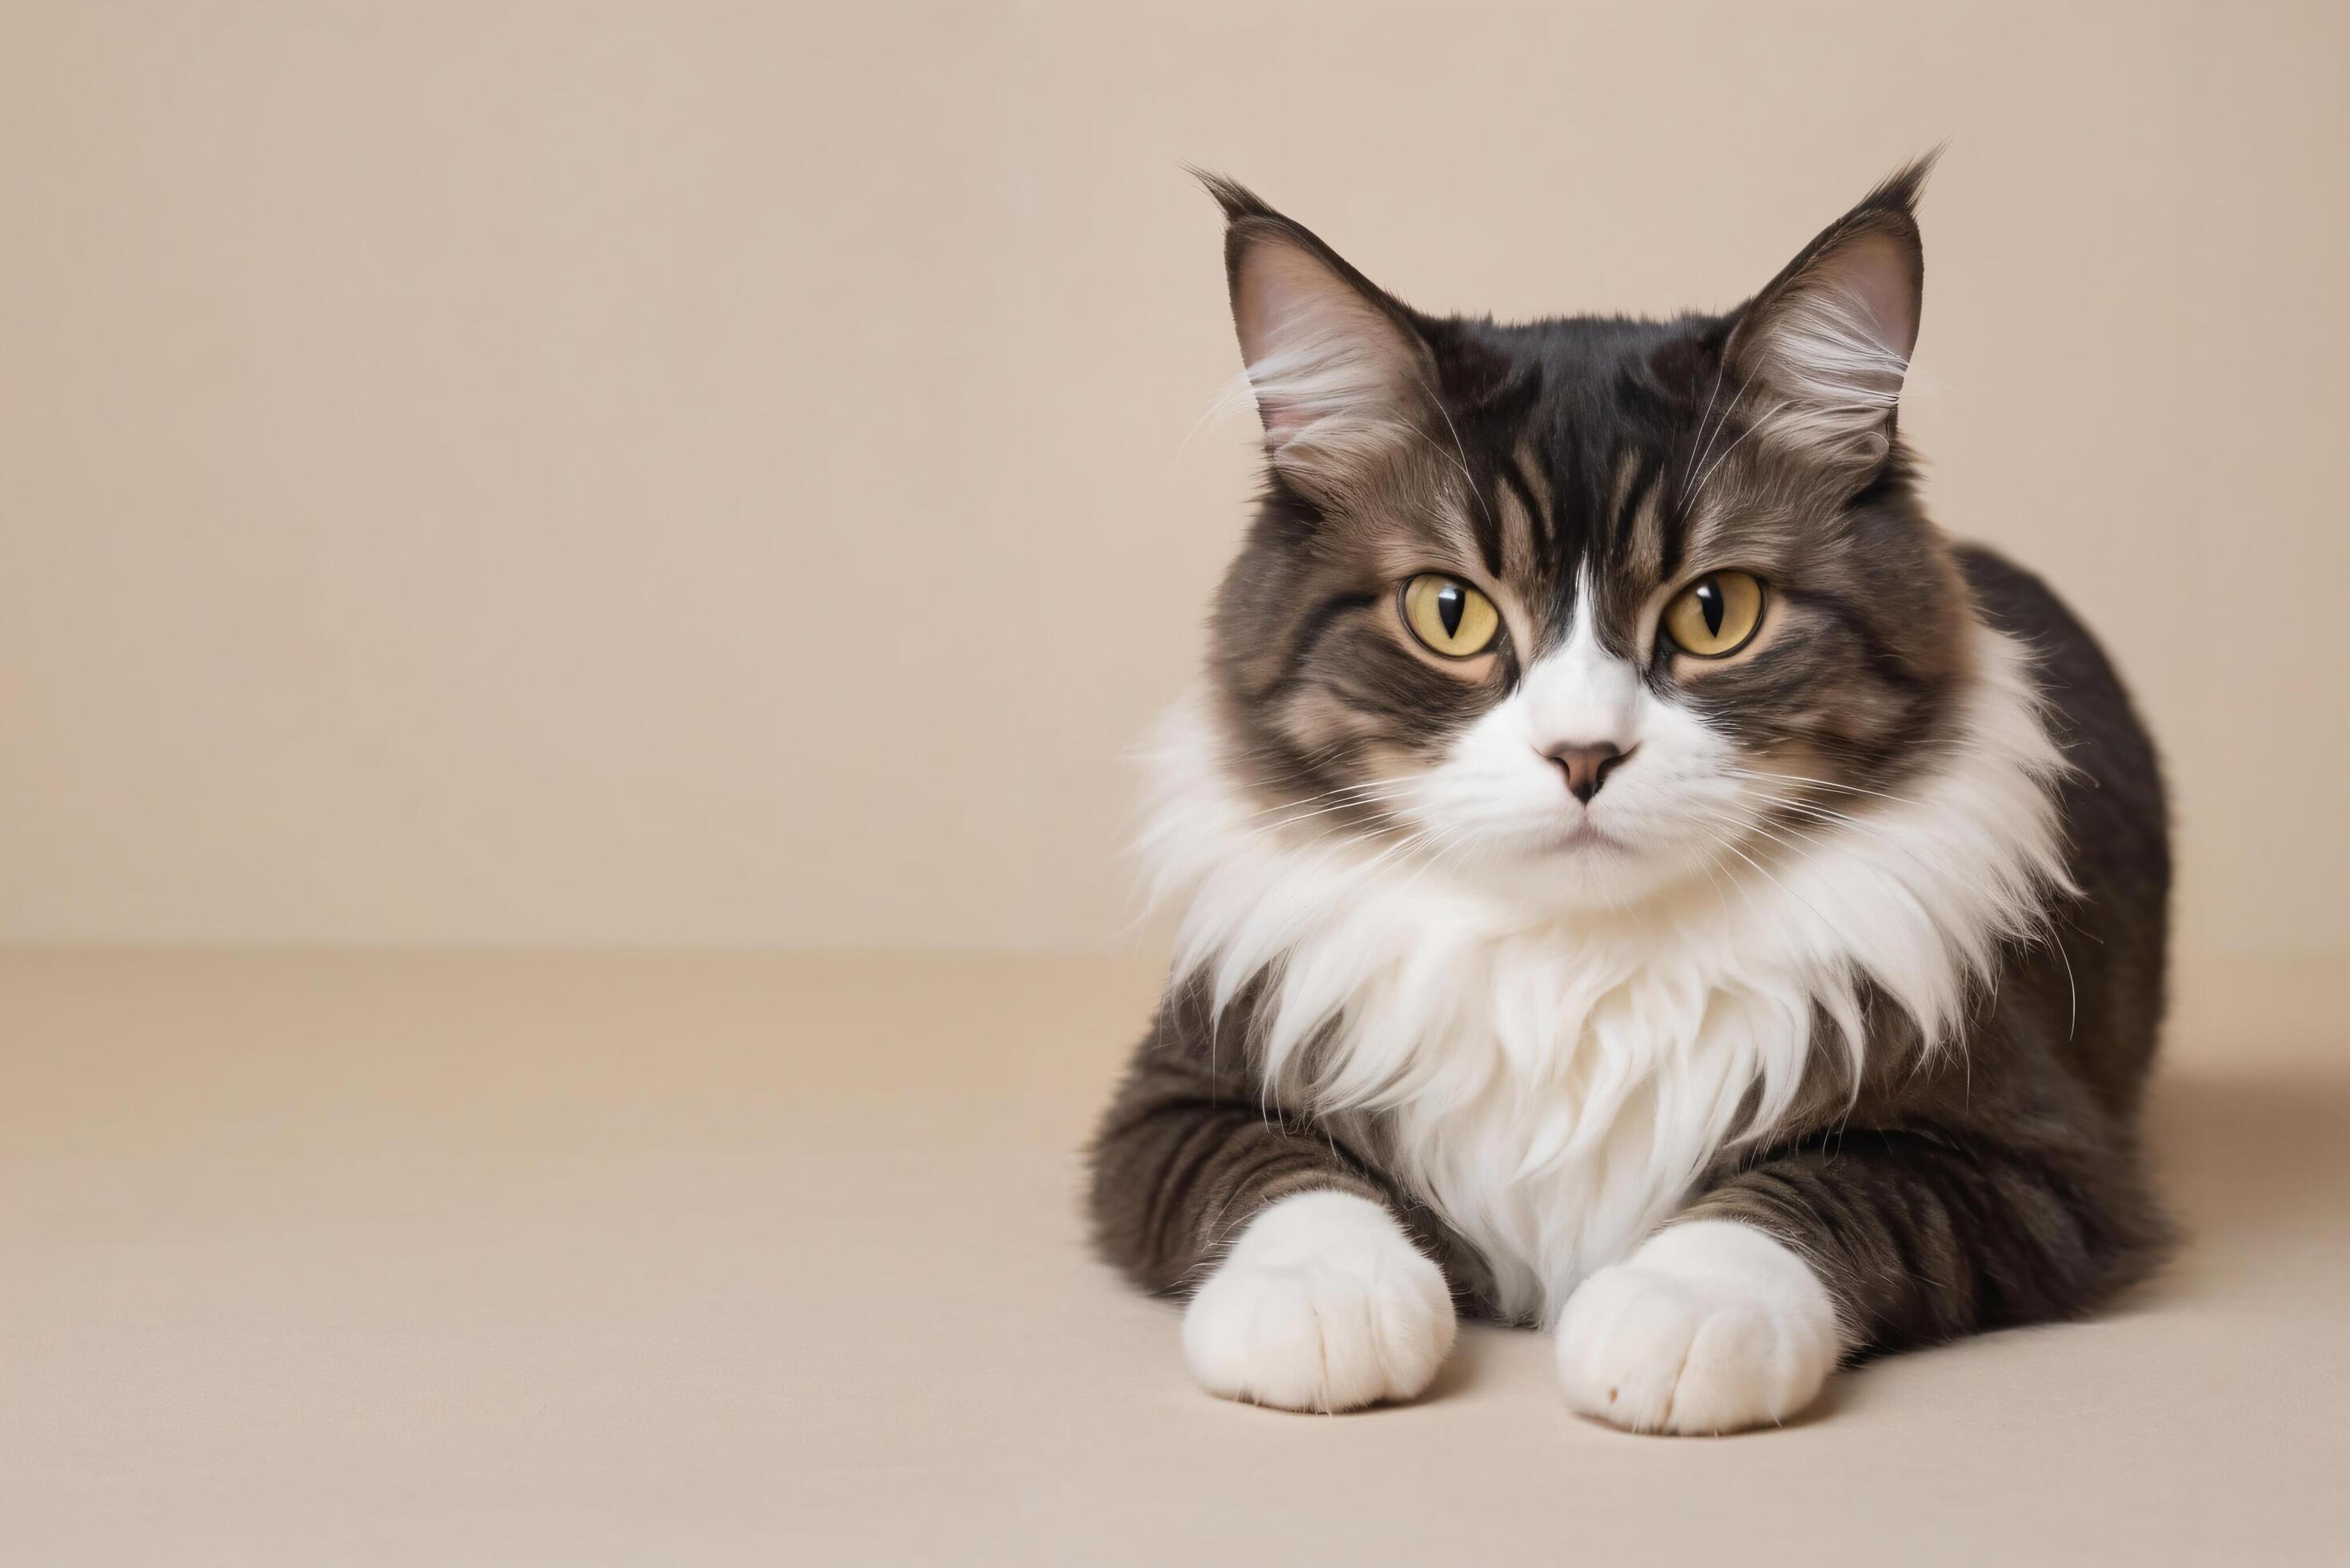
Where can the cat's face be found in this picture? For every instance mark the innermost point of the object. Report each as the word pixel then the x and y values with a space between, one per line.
pixel 1598 606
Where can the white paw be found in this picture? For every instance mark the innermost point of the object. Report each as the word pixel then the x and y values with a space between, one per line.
pixel 1711 1326
pixel 1322 1305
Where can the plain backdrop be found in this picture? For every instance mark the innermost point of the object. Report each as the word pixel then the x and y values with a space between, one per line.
pixel 672 472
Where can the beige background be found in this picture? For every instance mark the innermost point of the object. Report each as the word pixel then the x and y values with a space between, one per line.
pixel 674 472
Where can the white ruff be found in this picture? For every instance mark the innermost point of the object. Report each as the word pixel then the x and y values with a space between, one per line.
pixel 1551 1081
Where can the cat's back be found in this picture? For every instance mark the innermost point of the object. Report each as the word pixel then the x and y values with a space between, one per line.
pixel 2110 944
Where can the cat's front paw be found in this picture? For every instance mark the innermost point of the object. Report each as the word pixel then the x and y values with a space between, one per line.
pixel 1322 1305
pixel 1711 1326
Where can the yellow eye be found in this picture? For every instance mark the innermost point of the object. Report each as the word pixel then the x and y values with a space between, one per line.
pixel 1448 615
pixel 1714 617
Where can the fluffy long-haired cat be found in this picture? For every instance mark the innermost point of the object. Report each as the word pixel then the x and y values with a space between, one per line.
pixel 1638 878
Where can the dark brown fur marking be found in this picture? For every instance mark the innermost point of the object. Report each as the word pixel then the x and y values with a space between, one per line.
pixel 1998 1182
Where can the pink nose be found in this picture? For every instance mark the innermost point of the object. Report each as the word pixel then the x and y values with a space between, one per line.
pixel 1587 767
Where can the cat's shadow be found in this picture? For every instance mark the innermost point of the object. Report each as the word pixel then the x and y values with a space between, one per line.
pixel 2246 1159
pixel 1463 1370
pixel 1500 1353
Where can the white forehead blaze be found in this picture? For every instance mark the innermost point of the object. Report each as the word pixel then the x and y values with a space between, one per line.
pixel 1579 694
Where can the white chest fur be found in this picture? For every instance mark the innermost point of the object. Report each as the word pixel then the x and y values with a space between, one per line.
pixel 1551 1081
pixel 1550 1091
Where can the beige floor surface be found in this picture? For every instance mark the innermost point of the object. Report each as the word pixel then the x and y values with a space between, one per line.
pixel 415 1258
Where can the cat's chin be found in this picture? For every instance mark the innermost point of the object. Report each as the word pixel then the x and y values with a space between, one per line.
pixel 1584 868
pixel 1584 838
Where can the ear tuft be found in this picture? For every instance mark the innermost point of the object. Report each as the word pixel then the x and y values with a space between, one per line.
pixel 1237 200
pixel 1340 375
pixel 1828 340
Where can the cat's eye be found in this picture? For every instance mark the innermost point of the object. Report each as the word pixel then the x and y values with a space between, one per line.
pixel 1449 615
pixel 1716 615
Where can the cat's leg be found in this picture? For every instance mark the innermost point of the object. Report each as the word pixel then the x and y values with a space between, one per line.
pixel 1733 1316
pixel 1306 1292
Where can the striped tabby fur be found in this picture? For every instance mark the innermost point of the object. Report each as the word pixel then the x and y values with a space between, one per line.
pixel 1817 1029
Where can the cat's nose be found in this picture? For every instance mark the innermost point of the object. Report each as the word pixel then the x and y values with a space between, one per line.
pixel 1587 767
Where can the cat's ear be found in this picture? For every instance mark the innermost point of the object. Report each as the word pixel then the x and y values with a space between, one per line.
pixel 1341 377
pixel 1826 345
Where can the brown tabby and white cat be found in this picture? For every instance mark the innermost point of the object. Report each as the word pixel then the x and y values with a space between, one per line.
pixel 1639 878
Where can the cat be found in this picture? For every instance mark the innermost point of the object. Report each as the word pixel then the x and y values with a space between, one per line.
pixel 1638 879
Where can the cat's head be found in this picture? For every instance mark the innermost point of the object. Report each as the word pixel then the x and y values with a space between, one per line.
pixel 1602 603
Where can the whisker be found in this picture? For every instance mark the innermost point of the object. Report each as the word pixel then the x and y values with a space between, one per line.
pixel 1933 863
pixel 1764 872
pixel 1462 461
pixel 1695 456
pixel 1389 789
pixel 1825 783
pixel 1719 425
pixel 1690 504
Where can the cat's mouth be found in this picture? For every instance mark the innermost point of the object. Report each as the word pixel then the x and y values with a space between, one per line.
pixel 1586 837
